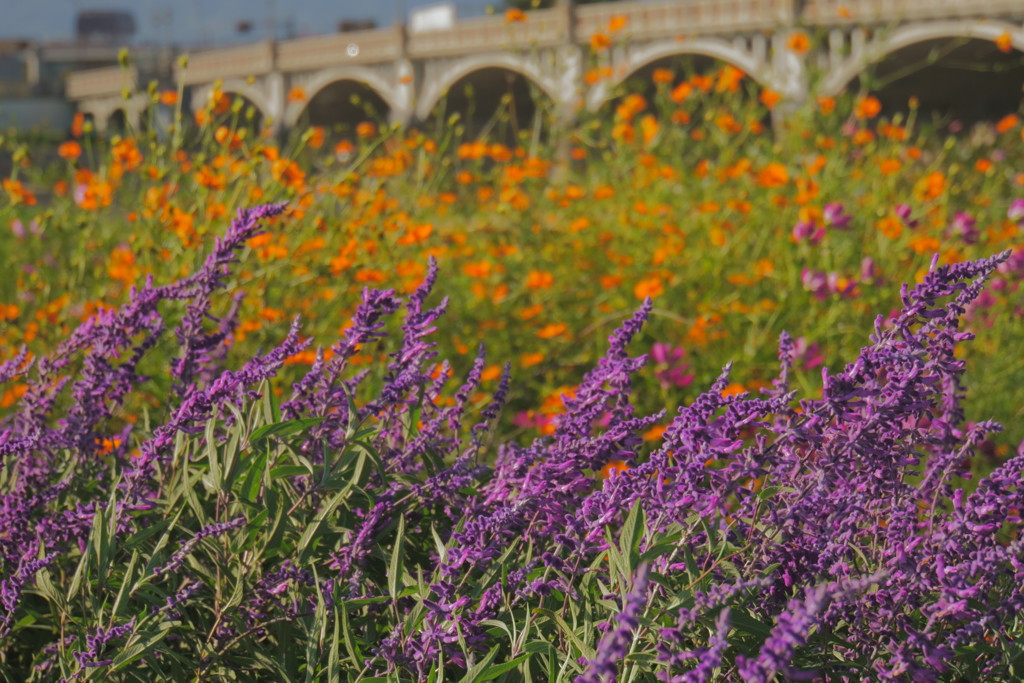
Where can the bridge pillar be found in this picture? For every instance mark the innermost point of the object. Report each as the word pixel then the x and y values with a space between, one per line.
pixel 275 89
pixel 403 107
pixel 791 78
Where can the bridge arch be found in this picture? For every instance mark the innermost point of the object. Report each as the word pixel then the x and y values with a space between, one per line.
pixel 436 88
pixel 249 92
pixel 645 55
pixel 117 122
pixel 363 78
pixel 877 50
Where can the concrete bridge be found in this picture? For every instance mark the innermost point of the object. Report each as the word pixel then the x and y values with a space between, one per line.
pixel 407 75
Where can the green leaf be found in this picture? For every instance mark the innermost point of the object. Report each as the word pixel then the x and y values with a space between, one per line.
pixel 285 428
pixel 313 529
pixel 395 567
pixel 499 669
pixel 630 536
pixel 286 471
pixel 586 650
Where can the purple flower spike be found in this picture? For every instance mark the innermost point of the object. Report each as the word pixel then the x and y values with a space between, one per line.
pixel 615 644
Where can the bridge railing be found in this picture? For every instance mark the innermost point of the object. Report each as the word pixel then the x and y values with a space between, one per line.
pixel 685 18
pixel 110 80
pixel 355 47
pixel 541 28
pixel 231 62
pixel 832 12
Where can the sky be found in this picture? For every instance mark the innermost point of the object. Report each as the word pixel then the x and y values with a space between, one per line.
pixel 191 22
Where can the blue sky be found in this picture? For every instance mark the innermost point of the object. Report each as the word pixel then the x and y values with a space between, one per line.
pixel 209 21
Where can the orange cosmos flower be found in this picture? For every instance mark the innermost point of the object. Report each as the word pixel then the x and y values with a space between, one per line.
pixel 613 468
pixel 599 42
pixel 617 23
pixel 663 76
pixel 1007 123
pixel 366 129
pixel 530 359
pixel 827 105
pixel 514 15
pixel 770 98
pixel 773 175
pixel 733 389
pixel 169 98
pixel 552 330
pixel 69 150
pixel 729 79
pixel 798 42
pixel 540 279
pixel 867 107
pixel 649 287
pixel 681 92
pixel 890 226
pixel 78 124
pixel 297 94
pixel 1004 41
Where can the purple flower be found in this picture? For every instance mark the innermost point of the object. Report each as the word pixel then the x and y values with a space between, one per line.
pixel 615 644
pixel 903 212
pixel 1016 211
pixel 836 217
pixel 964 227
pixel 670 369
pixel 808 231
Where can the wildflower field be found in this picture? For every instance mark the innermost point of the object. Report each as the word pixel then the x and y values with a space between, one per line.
pixel 249 430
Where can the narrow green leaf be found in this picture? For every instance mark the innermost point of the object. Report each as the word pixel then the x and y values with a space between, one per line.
pixel 397 556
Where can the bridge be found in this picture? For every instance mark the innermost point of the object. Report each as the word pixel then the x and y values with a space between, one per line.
pixel 407 75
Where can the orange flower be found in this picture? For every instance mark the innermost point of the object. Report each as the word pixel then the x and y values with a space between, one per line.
pixel 69 150
pixel 599 42
pixel 514 15
pixel 1004 41
pixel 931 186
pixel 890 226
pixel 78 124
pixel 798 42
pixel 613 468
pixel 649 287
pixel 729 79
pixel 867 107
pixel 316 137
pixel 648 128
pixel 1008 122
pixel 617 23
pixel 530 359
pixel 769 98
pixel 827 105
pixel 773 175
pixel 297 94
pixel 733 389
pixel 552 330
pixel 889 166
pixel 654 433
pixel 540 279
pixel 127 154
pixel 169 98
pixel 366 129
pixel 681 92
pixel 663 76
